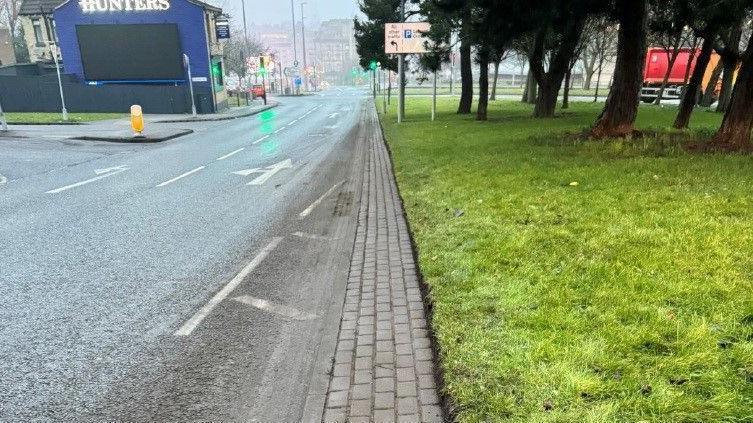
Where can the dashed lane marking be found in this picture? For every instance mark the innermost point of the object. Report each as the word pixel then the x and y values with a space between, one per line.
pixel 313 205
pixel 230 154
pixel 190 172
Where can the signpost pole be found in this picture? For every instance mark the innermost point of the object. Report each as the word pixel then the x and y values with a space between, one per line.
pixel 434 98
pixel 401 89
pixel 187 63
pixel 384 95
pixel 60 82
pixel 3 121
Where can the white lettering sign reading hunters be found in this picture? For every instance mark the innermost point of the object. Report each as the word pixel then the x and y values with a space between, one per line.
pixel 123 5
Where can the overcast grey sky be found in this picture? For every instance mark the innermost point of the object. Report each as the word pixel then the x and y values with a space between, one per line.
pixel 277 11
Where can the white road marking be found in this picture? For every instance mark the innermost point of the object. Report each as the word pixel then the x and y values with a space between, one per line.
pixel 333 115
pixel 114 171
pixel 220 296
pixel 3 180
pixel 107 170
pixel 332 127
pixel 313 236
pixel 260 139
pixel 266 172
pixel 293 122
pixel 190 172
pixel 279 130
pixel 278 309
pixel 313 205
pixel 230 154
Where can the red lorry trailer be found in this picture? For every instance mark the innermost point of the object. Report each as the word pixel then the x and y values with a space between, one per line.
pixel 657 63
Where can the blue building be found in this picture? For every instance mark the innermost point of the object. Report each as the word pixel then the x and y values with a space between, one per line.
pixel 134 47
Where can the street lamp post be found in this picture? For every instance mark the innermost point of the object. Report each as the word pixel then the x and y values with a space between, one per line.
pixel 295 51
pixel 303 41
pixel 187 63
pixel 401 72
pixel 60 81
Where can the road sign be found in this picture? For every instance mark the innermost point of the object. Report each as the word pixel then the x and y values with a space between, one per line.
pixel 406 37
pixel 298 80
pixel 222 28
pixel 292 72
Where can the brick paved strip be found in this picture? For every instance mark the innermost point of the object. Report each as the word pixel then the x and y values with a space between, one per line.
pixel 384 366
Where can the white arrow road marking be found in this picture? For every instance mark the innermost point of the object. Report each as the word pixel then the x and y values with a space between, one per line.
pixel 3 180
pixel 230 154
pixel 190 172
pixel 107 170
pixel 220 296
pixel 112 171
pixel 333 115
pixel 260 139
pixel 313 205
pixel 278 309
pixel 266 172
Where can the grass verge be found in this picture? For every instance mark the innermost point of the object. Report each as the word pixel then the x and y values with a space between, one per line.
pixel 581 281
pixel 57 117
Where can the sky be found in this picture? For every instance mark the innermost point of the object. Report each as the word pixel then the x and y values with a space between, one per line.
pixel 278 11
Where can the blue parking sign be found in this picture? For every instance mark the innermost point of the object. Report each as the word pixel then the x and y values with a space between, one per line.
pixel 408 33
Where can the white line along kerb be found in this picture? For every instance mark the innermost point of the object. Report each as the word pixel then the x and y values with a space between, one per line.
pixel 220 296
pixel 313 205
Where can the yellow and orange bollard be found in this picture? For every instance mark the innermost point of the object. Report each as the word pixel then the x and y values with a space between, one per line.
pixel 137 120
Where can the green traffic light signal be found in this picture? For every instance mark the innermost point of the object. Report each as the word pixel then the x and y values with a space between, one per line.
pixel 373 65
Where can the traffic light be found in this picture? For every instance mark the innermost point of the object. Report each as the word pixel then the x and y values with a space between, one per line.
pixel 216 68
pixel 373 65
pixel 262 65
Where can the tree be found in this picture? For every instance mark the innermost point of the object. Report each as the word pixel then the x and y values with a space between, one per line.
pixel 667 21
pixel 237 50
pixel 369 33
pixel 561 23
pixel 9 18
pixel 707 18
pixel 618 117
pixel 735 130
pixel 729 50
pixel 602 46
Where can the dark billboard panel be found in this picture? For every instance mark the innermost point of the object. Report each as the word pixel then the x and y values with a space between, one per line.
pixel 133 52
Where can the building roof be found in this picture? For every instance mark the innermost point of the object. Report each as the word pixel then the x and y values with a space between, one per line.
pixel 38 7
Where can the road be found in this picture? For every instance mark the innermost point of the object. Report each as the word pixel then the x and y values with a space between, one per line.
pixel 191 280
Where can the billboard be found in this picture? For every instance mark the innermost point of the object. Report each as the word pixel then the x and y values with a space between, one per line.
pixel 406 37
pixel 130 52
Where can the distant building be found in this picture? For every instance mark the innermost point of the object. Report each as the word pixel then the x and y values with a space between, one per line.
pixel 7 57
pixel 36 17
pixel 335 50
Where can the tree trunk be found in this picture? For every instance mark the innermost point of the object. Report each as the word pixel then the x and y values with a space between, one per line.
pixel 691 57
pixel 466 76
pixel 690 96
pixel 546 100
pixel 493 96
pixel 483 89
pixel 709 94
pixel 598 80
pixel 566 94
pixel 618 117
pixel 728 80
pixel 738 120
pixel 672 59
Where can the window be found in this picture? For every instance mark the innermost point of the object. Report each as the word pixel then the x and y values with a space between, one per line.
pixel 38 36
pixel 52 31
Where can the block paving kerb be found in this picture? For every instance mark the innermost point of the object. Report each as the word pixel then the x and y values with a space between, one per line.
pixel 383 367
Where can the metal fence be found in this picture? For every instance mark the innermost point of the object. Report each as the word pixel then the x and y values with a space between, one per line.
pixel 41 94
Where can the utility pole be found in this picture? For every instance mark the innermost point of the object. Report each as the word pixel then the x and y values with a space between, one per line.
pixel 60 82
pixel 245 28
pixel 295 51
pixel 401 72
pixel 303 40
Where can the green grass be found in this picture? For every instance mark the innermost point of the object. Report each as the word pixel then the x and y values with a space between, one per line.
pixel 627 297
pixel 58 118
pixel 426 89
